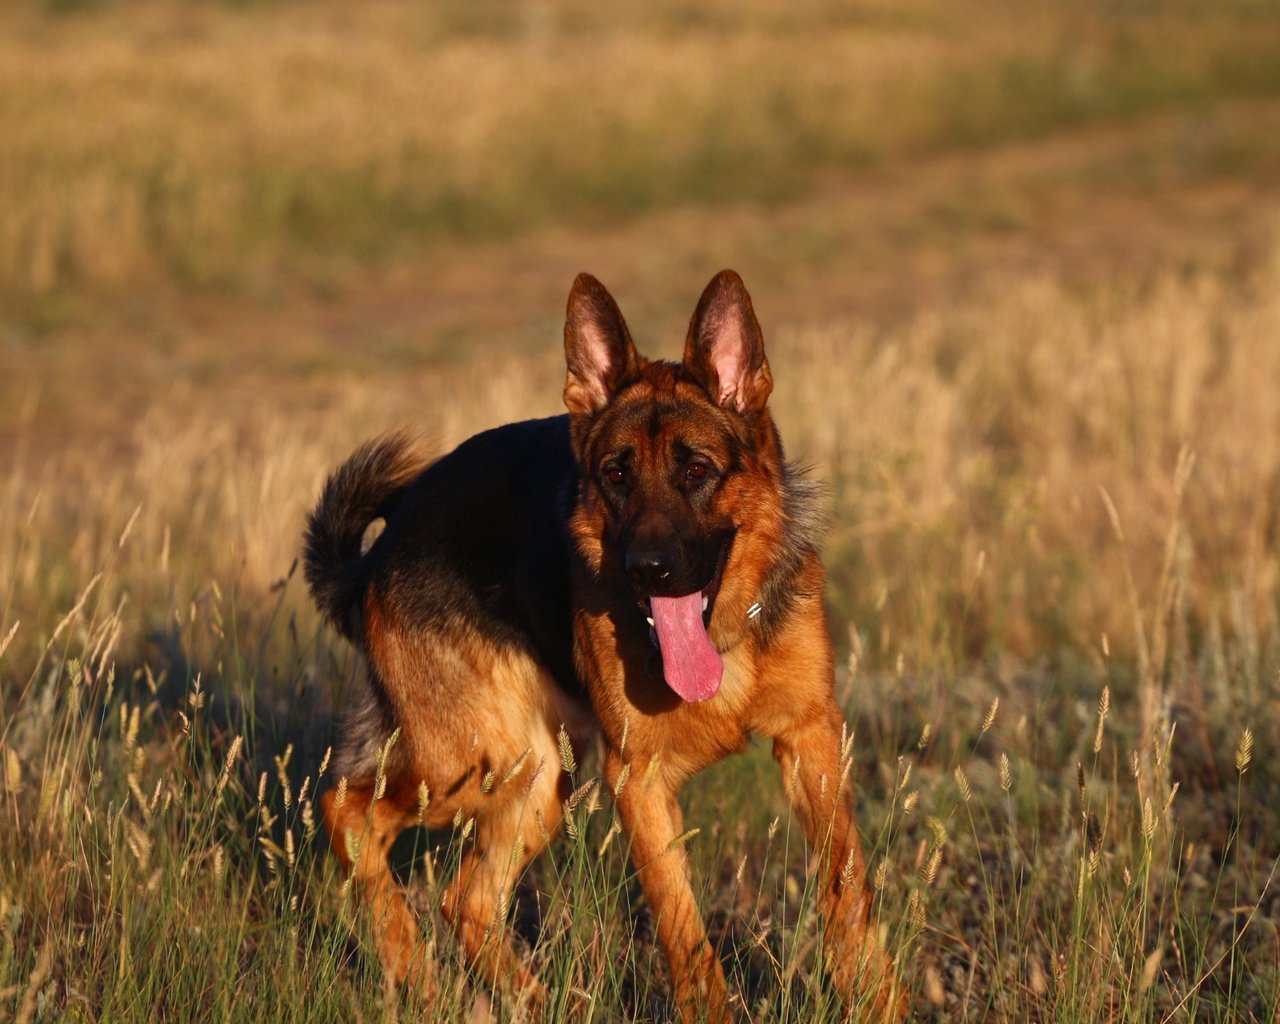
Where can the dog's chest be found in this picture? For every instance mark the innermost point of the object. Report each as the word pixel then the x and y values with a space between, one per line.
pixel 710 730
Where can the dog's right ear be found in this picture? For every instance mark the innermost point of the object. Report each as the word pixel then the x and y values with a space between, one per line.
pixel 597 348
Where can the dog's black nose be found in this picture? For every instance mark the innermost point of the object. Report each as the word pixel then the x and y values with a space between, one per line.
pixel 651 568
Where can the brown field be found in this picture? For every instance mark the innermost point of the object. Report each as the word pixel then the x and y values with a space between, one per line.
pixel 1018 267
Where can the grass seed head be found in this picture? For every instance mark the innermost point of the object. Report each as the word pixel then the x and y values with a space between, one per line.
pixel 567 761
pixel 139 842
pixel 1093 833
pixel 916 911
pixel 848 872
pixel 1244 751
pixel 1035 976
pixel 1150 968
pixel 929 873
pixel 196 698
pixel 614 829
pixel 536 774
pixel 8 637
pixel 12 772
pixel 624 773
pixel 139 797
pixel 939 830
pixel 232 753
pixel 991 715
pixel 516 765
pixel 1104 706
pixel 934 989
pixel 683 838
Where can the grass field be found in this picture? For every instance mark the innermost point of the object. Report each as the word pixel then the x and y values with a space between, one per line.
pixel 1018 266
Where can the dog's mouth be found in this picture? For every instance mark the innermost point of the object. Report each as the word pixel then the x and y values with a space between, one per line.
pixel 678 626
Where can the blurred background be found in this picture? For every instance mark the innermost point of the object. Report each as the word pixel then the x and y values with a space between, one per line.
pixel 1018 268
pixel 1004 253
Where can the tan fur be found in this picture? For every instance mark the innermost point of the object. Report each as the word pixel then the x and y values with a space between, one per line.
pixel 785 694
pixel 782 689
pixel 503 710
pixel 467 704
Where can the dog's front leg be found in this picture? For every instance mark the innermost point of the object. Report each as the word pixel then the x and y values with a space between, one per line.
pixel 816 783
pixel 652 817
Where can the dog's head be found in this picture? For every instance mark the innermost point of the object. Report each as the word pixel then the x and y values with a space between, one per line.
pixel 681 471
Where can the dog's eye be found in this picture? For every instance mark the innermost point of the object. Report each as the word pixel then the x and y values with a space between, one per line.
pixel 695 471
pixel 615 475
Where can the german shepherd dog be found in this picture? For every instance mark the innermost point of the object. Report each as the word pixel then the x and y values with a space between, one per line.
pixel 643 568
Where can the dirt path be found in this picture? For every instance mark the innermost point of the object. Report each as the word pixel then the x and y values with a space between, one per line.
pixel 1119 201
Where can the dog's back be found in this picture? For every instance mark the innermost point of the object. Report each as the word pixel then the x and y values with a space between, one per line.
pixel 478 538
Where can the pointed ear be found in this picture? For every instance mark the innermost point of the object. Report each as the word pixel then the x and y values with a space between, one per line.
pixel 597 347
pixel 725 349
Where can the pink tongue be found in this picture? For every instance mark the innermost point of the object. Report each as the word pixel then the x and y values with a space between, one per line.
pixel 690 664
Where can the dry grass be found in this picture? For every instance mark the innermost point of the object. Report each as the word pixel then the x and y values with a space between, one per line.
pixel 1054 552
pixel 972 459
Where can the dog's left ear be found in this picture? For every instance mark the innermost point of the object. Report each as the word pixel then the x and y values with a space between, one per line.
pixel 599 354
pixel 724 350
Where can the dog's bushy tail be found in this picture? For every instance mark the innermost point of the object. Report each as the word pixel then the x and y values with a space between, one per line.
pixel 366 487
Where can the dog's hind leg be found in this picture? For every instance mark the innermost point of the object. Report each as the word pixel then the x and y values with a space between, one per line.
pixel 519 817
pixel 361 830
